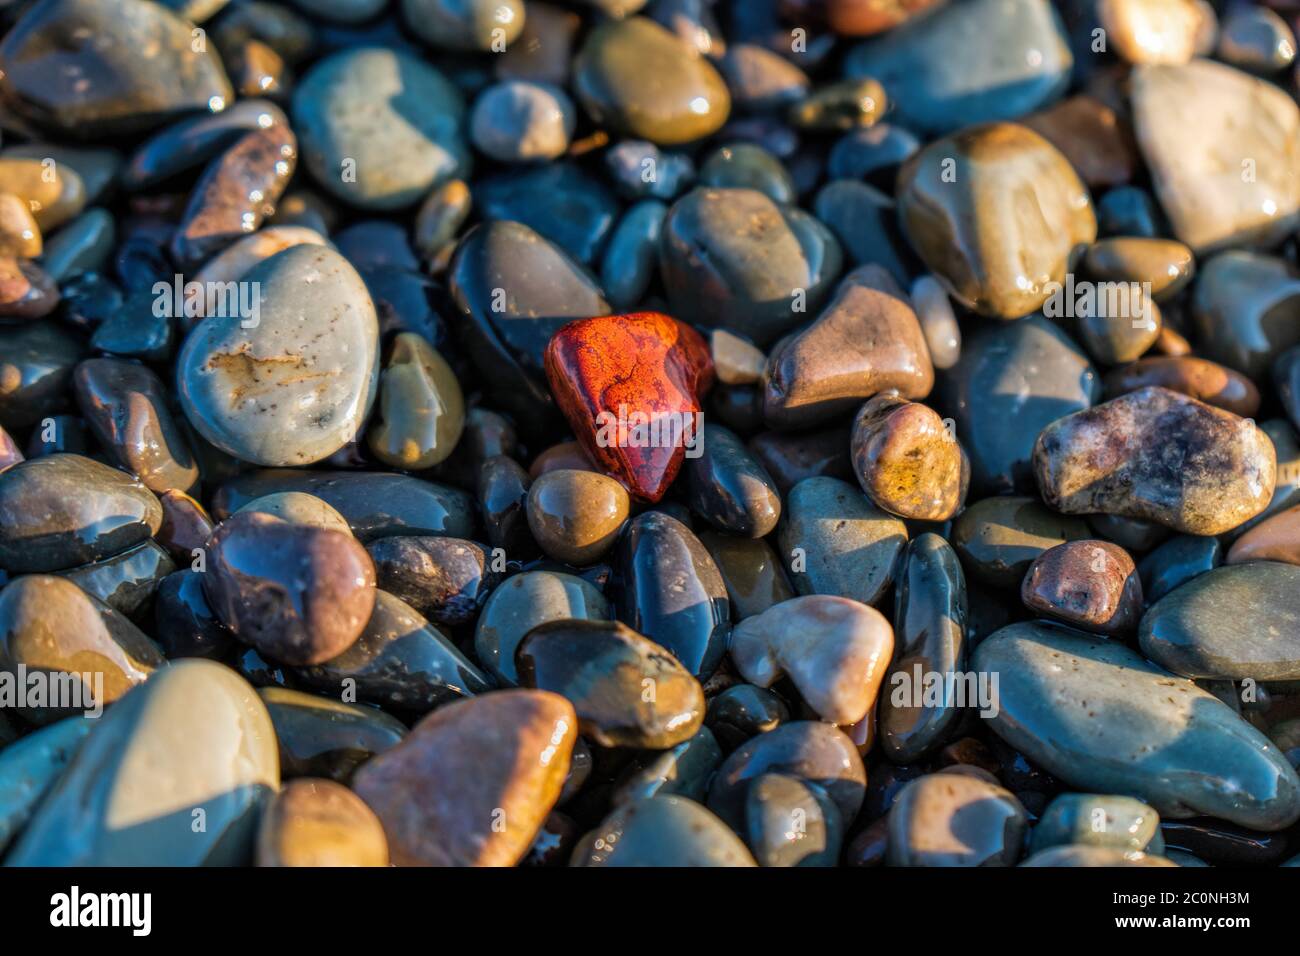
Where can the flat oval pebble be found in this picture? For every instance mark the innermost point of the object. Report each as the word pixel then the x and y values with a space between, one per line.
pixel 1235 622
pixel 729 487
pixel 1096 820
pixel 194 737
pixel 1160 456
pixel 488 769
pixel 835 541
pixel 359 109
pixel 1239 310
pixel 998 214
pixel 298 594
pixel 575 516
pixel 835 650
pixel 320 823
pixel 951 819
pixel 62 510
pixel 421 408
pixel 627 690
pixel 734 258
pixel 1095 714
pixel 521 603
pixel 126 406
pixel 294 387
pixel 665 831
pixel 641 80
pixel 516 122
pixel 1093 585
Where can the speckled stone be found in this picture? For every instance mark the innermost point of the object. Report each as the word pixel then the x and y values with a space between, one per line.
pixel 1218 142
pixel 835 541
pixel 293 388
pixel 320 823
pixel 628 691
pixel 194 737
pixel 368 105
pixel 951 819
pixel 1160 456
pixel 1093 585
pixel 1231 623
pixel 1098 716
pixel 488 769
pixel 834 650
pixel 907 460
pixel 998 214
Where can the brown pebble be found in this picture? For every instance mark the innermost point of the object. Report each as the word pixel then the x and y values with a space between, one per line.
pixel 1200 378
pixel 1091 584
pixel 298 594
pixel 576 515
pixel 314 822
pixel 1098 144
pixel 567 454
pixel 473 782
pixel 1277 538
pixel 26 292
pixel 907 460
pixel 867 340
pixel 186 526
pixel 19 235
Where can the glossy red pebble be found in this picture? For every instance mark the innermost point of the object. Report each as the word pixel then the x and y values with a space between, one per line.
pixel 630 386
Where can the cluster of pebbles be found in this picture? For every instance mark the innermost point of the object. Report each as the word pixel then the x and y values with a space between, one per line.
pixel 649 432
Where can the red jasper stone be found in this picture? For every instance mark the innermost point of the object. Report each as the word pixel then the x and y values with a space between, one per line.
pixel 630 386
